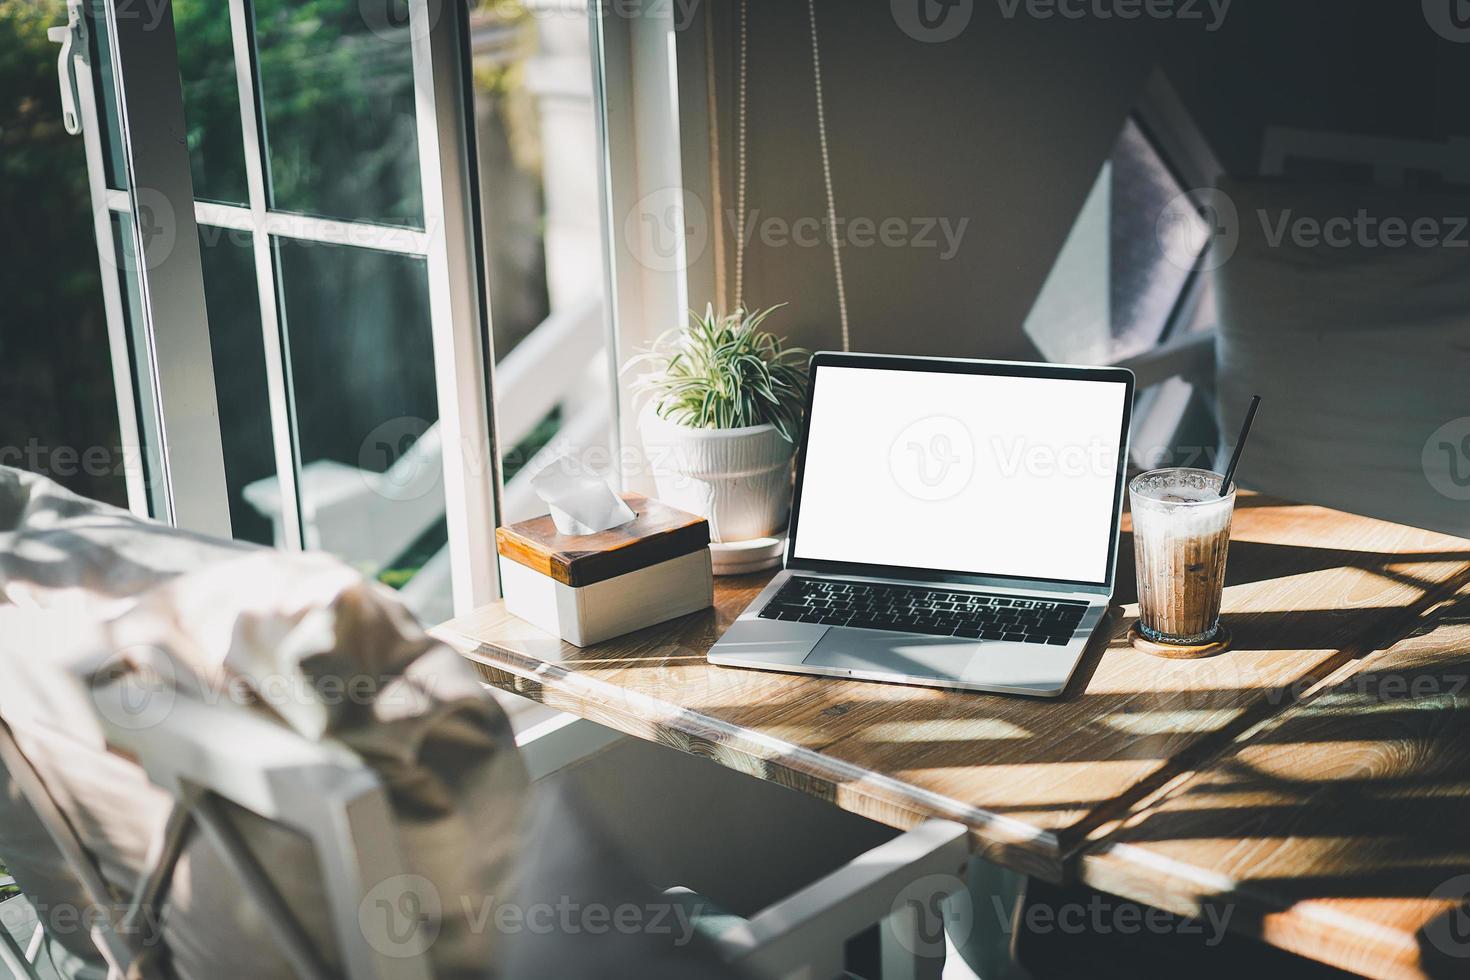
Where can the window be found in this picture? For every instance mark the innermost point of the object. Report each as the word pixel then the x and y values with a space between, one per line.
pixel 333 286
pixel 537 158
pixel 327 150
pixel 361 240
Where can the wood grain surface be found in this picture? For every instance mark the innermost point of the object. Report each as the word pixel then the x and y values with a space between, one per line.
pixel 1308 591
pixel 1341 830
pixel 658 532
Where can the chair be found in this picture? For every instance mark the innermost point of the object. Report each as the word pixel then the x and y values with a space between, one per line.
pixel 201 753
pixel 20 961
pixel 80 825
pixel 214 772
pixel 204 754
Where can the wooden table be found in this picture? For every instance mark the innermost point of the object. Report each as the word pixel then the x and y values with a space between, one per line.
pixel 1312 594
pixel 1341 830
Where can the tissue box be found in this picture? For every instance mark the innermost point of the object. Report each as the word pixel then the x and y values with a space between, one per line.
pixel 587 588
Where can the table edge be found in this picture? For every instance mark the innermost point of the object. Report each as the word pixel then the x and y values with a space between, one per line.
pixel 1043 852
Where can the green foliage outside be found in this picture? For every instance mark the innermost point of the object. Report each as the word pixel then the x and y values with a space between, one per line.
pixel 42 169
pixel 341 136
pixel 339 112
pixel 55 375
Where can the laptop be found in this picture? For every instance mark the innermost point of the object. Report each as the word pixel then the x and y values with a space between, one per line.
pixel 955 524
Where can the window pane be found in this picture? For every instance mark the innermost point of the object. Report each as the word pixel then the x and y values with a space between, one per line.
pixel 99 57
pixel 1114 286
pixel 57 411
pixel 144 401
pixel 361 363
pixel 211 100
pixel 537 143
pixel 238 354
pixel 336 79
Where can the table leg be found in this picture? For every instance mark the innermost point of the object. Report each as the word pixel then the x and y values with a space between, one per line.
pixel 979 921
pixel 912 943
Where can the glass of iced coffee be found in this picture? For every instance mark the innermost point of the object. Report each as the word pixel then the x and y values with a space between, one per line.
pixel 1181 533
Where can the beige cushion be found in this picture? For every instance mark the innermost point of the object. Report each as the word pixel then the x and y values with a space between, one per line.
pixel 308 643
pixel 1361 352
pixel 57 547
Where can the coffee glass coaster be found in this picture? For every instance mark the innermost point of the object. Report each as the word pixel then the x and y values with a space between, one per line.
pixel 1180 651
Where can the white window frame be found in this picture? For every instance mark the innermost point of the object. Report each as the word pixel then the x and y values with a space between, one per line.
pixel 104 202
pixel 650 179
pixel 636 78
pixel 178 362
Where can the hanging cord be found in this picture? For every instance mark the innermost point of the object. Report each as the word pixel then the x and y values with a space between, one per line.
pixel 717 189
pixel 811 6
pixel 740 156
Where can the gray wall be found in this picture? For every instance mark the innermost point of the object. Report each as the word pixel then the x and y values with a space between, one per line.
pixel 1004 128
pixel 1352 66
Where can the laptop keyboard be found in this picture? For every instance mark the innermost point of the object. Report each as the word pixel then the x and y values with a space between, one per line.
pixel 919 609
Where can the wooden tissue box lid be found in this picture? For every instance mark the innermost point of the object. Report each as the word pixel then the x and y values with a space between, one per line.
pixel 658 533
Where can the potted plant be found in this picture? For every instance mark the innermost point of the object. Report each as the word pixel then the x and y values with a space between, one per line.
pixel 723 412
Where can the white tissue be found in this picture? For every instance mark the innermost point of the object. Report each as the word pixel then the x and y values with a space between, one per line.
pixel 580 503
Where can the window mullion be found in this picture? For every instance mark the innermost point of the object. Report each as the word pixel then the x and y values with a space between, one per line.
pixel 307 228
pixel 278 397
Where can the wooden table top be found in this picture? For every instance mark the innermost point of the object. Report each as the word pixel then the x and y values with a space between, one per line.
pixel 1309 590
pixel 1341 830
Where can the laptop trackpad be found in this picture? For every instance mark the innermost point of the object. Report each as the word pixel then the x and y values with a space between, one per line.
pixel 893 653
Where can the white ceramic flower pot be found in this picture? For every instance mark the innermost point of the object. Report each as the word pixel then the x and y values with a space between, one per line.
pixel 739 479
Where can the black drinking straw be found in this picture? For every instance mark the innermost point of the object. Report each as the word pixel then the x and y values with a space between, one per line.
pixel 1245 430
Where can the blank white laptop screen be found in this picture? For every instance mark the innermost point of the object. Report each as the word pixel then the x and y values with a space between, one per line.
pixel 970 473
